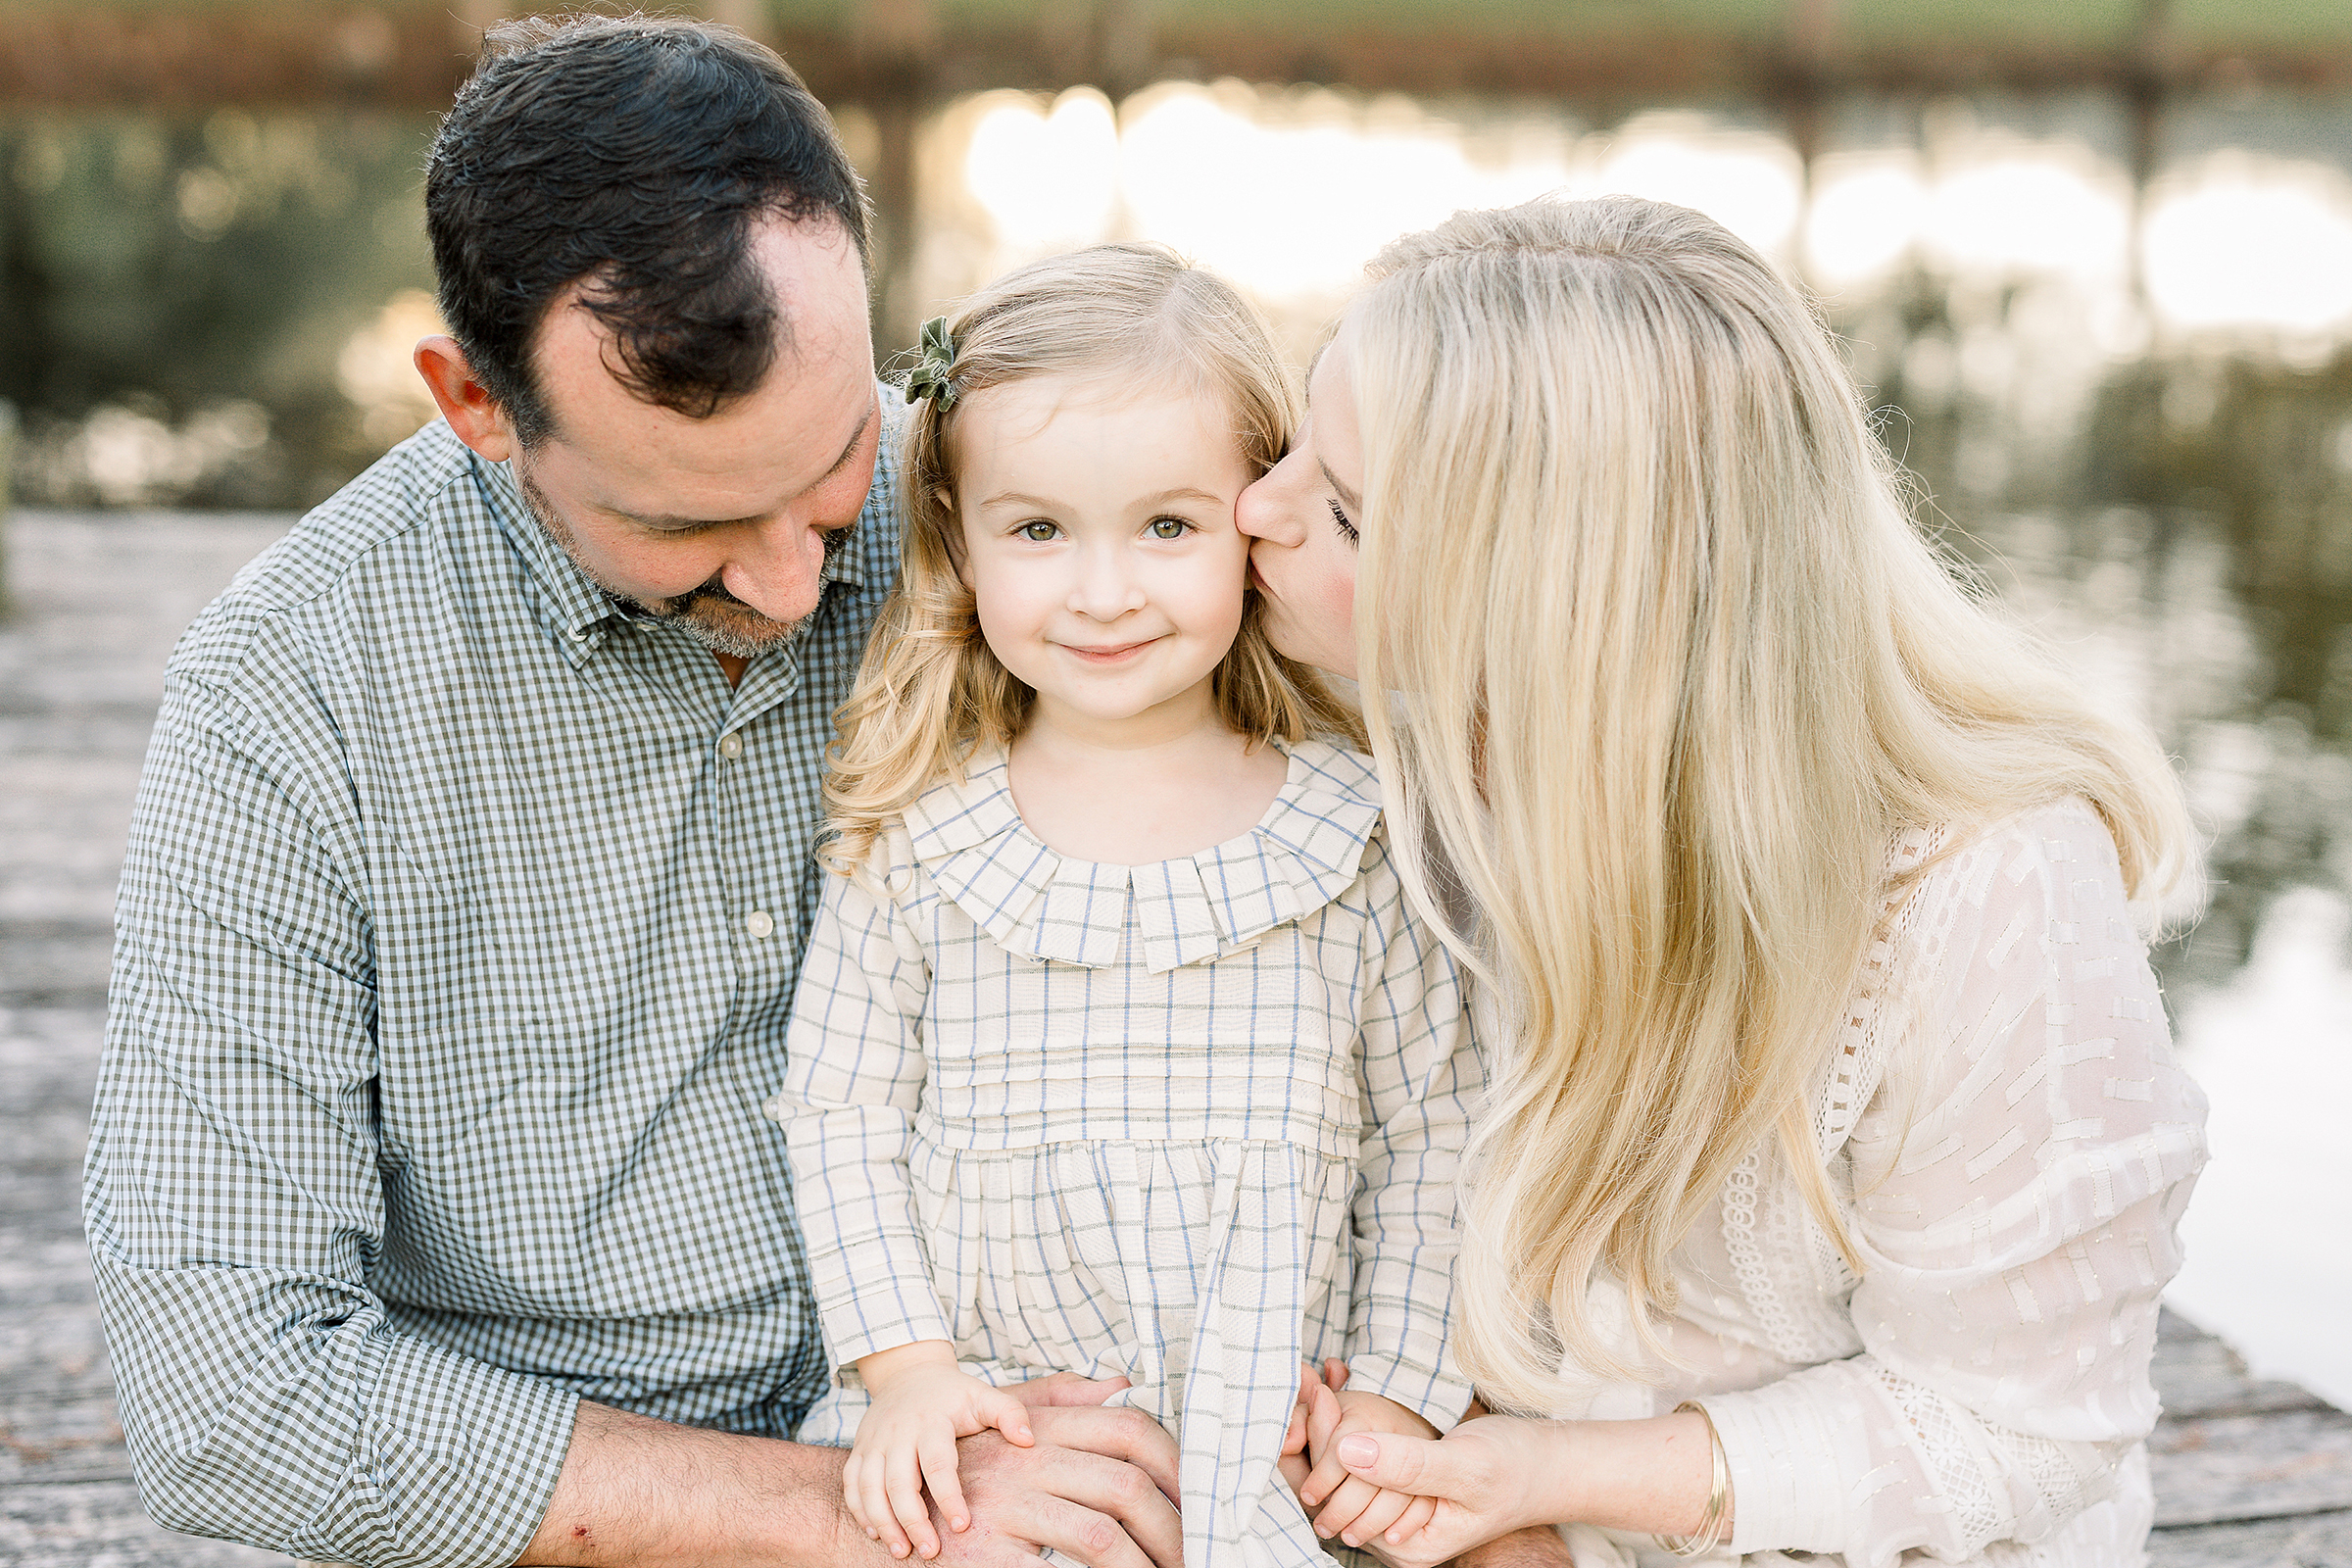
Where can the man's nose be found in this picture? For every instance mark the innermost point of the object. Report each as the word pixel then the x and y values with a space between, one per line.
pixel 774 565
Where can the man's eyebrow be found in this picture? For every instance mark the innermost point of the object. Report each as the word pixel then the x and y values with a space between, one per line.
pixel 671 522
pixel 1348 496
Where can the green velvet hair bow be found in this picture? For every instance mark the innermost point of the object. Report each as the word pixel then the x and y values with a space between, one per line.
pixel 934 358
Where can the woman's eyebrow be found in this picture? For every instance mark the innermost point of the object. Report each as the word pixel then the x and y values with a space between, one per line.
pixel 1350 497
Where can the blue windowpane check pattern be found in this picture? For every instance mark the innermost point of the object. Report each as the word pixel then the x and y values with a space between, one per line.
pixel 1185 1123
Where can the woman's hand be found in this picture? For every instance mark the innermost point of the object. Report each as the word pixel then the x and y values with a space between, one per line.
pixel 1488 1477
pixel 1355 1509
pixel 923 1402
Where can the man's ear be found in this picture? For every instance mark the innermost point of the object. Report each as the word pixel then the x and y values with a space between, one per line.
pixel 463 402
pixel 954 531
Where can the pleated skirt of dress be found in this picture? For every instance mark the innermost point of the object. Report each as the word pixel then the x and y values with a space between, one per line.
pixel 1204 1271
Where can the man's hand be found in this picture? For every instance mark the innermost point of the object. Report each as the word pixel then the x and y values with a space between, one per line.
pixel 1536 1547
pixel 1098 1486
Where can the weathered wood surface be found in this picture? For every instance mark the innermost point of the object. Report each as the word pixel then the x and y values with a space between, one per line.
pixel 2248 1474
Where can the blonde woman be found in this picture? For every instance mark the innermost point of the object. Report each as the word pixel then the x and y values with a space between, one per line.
pixel 1117 1050
pixel 1835 1150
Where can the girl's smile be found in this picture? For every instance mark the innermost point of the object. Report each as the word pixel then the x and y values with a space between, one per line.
pixel 1109 653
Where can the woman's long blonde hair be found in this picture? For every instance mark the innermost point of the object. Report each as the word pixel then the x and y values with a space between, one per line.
pixel 1136 317
pixel 1675 667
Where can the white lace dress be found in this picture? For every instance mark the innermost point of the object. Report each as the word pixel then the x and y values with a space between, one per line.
pixel 2005 1109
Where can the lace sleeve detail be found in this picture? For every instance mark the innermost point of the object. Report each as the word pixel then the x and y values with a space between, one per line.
pixel 2003 1485
pixel 2018 1172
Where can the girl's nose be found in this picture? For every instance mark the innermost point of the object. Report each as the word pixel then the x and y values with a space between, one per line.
pixel 1107 587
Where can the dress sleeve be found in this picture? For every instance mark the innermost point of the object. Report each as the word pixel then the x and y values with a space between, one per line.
pixel 2018 1181
pixel 1420 1071
pixel 234 1190
pixel 852 1087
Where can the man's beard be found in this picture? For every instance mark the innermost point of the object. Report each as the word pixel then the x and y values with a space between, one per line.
pixel 708 614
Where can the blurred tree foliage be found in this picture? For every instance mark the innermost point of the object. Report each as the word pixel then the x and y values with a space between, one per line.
pixel 166 264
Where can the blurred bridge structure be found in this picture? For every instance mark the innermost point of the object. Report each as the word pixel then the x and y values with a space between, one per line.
pixel 894 60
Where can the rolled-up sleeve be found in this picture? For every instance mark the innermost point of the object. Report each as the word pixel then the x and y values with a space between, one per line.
pixel 2018 1179
pixel 234 1197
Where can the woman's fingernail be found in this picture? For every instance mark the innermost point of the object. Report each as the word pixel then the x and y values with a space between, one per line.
pixel 1358 1451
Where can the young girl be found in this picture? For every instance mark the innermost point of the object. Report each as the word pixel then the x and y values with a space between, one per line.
pixel 1116 1050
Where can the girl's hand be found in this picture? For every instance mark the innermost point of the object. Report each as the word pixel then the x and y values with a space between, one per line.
pixel 1355 1509
pixel 1488 1477
pixel 923 1402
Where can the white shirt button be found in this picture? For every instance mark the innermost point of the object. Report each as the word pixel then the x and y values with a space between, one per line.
pixel 760 925
pixel 730 747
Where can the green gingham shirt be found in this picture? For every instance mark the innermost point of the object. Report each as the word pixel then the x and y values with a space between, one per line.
pixel 455 947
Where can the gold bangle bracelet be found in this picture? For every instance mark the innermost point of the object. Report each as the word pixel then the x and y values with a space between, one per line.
pixel 1719 1494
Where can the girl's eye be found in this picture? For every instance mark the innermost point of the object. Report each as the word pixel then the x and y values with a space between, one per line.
pixel 1346 528
pixel 1168 527
pixel 1039 533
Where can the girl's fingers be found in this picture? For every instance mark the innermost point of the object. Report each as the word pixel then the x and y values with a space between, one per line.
pixel 939 1474
pixel 1294 1440
pixel 880 1521
pixel 1326 1478
pixel 1322 1420
pixel 855 1498
pixel 1420 1512
pixel 1346 1504
pixel 1381 1511
pixel 905 1489
pixel 1335 1373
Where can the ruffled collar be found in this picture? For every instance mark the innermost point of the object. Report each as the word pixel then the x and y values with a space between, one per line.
pixel 1302 855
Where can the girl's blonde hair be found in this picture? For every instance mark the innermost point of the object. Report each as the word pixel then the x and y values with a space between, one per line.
pixel 1675 669
pixel 1132 317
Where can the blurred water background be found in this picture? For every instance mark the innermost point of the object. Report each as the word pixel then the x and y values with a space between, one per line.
pixel 2120 368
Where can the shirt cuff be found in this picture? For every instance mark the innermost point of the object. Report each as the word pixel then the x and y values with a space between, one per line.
pixel 1437 1396
pixel 1788 1446
pixel 871 1296
pixel 461 1470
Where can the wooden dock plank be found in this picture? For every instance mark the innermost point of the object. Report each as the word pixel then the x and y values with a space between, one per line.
pixel 2213 1469
pixel 2308 1540
pixel 101 1524
pixel 2200 1376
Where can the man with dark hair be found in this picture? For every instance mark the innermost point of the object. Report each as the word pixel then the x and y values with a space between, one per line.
pixel 433 1219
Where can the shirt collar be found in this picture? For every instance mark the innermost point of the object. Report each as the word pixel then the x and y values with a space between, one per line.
pixel 1307 850
pixel 571 604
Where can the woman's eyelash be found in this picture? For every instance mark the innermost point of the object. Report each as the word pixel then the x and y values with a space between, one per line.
pixel 1346 528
